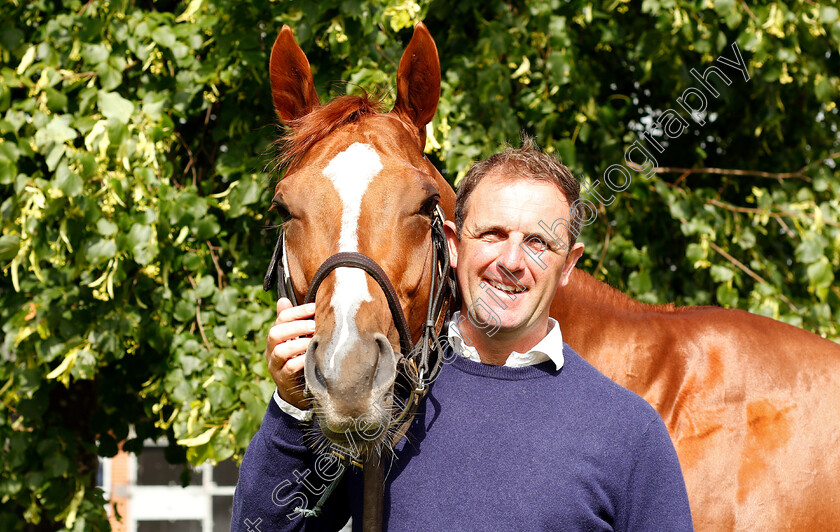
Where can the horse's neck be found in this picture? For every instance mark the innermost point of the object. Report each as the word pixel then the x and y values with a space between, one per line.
pixel 447 195
pixel 593 315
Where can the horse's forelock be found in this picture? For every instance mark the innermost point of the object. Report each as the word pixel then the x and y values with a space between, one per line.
pixel 305 132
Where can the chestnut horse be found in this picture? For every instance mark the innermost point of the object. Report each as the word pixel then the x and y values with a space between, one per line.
pixel 752 404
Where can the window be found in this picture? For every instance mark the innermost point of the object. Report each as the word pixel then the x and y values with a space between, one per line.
pixel 154 501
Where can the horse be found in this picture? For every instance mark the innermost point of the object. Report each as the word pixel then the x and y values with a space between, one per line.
pixel 360 196
pixel 752 404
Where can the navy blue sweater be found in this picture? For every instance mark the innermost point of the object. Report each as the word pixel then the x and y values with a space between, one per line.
pixel 493 448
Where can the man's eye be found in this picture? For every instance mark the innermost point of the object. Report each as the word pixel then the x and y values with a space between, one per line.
pixel 537 243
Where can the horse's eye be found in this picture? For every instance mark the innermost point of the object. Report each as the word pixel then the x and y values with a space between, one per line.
pixel 281 210
pixel 428 207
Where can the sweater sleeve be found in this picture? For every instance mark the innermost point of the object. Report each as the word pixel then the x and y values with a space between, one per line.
pixel 280 473
pixel 656 495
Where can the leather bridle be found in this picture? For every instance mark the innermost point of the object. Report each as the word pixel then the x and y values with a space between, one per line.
pixel 419 363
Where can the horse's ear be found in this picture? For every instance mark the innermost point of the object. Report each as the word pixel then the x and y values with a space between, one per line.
pixel 418 80
pixel 292 86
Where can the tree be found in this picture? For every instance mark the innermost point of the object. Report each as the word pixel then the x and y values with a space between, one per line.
pixel 135 149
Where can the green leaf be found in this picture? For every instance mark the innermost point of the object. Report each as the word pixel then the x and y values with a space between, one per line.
pixel 58 130
pixel 184 311
pixel 206 227
pixel 828 14
pixel 189 364
pixel 9 246
pixel 163 36
pixel 695 252
pixel 227 300
pixel 820 273
pixel 201 439
pixel 721 274
pixel 85 366
pixel 115 106
pixel 242 427
pixel 105 227
pixel 95 53
pixel 639 282
pixel 727 296
pixel 811 248
pixel 206 287
pixel 220 396
pixel 10 487
pixel 192 261
pixel 238 323
pixel 56 101
pixel 139 235
pixel 100 250
pixel 68 181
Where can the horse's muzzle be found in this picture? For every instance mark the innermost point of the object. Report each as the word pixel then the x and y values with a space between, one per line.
pixel 349 383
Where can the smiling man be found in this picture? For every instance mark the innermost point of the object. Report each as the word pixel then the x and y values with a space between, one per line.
pixel 518 432
pixel 508 268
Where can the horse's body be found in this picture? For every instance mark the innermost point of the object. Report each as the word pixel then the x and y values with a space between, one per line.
pixel 753 405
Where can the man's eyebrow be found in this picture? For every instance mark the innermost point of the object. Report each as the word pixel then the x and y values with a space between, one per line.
pixel 482 228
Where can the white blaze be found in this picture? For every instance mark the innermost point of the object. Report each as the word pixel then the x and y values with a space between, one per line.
pixel 351 171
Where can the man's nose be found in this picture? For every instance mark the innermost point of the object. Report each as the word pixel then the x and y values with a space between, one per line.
pixel 512 255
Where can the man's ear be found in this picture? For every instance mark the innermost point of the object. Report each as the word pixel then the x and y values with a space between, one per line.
pixel 571 259
pixel 452 240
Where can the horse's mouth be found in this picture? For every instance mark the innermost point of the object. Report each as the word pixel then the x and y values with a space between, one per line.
pixel 355 438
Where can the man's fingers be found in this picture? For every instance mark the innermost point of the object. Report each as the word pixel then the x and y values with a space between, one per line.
pixel 289 331
pixel 299 312
pixel 295 365
pixel 282 304
pixel 288 350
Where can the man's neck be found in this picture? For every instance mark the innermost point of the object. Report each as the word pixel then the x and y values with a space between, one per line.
pixel 495 349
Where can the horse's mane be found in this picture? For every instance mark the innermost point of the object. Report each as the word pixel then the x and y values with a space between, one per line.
pixel 306 131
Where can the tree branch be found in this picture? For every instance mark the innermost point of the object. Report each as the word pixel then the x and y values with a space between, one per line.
pixel 220 274
pixel 198 315
pixel 749 272
pixel 733 171
pixel 799 174
pixel 752 210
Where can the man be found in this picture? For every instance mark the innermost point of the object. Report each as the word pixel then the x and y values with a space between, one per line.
pixel 518 432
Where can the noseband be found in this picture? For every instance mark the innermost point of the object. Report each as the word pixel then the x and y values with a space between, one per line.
pixel 416 363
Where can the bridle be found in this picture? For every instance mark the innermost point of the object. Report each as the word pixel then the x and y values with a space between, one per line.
pixel 419 363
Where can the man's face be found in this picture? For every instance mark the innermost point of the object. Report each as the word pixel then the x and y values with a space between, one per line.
pixel 502 238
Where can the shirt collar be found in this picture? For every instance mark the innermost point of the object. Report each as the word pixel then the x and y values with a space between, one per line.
pixel 549 348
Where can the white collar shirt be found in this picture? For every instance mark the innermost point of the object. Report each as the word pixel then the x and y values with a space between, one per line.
pixel 549 348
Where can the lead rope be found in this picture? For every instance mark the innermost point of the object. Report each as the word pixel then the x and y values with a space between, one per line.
pixel 316 510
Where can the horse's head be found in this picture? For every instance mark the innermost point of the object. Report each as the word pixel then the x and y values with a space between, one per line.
pixel 357 181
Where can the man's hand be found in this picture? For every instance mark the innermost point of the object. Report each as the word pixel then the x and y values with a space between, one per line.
pixel 288 339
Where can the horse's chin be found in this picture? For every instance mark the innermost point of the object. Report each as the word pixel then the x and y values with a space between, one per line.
pixel 353 441
pixel 366 431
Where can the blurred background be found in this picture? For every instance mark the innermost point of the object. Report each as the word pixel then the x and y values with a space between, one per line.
pixel 135 148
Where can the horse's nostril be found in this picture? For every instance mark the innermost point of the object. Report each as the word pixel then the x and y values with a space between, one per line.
pixel 383 345
pixel 384 371
pixel 320 377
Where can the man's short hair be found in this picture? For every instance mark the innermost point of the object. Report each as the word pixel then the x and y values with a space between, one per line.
pixel 526 162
